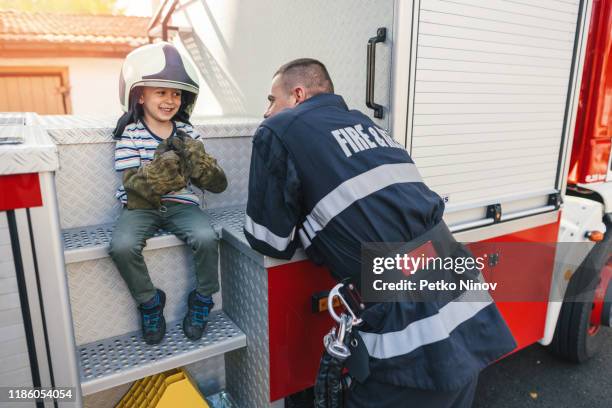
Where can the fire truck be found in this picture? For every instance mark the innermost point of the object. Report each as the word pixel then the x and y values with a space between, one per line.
pixel 505 106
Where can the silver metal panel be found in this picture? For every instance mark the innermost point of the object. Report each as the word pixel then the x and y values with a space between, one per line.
pixel 100 235
pixel 490 97
pixel 54 289
pixel 86 180
pixel 12 119
pixel 101 302
pixel 234 156
pixel 117 360
pixel 232 221
pixel 509 227
pixel 79 129
pixel 89 243
pixel 232 52
pixel 86 183
pixel 93 242
pixel 37 153
pixel 245 294
pixel 14 360
pixel 209 374
pixel 68 122
pixel 36 322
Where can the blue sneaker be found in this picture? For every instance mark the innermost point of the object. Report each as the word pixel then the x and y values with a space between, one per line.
pixel 152 318
pixel 199 308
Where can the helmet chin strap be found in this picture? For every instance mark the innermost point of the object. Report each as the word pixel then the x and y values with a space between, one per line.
pixel 124 120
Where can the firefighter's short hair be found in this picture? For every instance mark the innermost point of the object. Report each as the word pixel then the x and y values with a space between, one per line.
pixel 309 72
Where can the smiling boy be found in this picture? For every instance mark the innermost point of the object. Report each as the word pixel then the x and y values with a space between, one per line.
pixel 159 154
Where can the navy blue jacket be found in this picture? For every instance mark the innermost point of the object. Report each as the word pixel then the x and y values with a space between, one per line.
pixel 328 178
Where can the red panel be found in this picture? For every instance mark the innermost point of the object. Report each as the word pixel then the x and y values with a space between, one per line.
pixel 593 133
pixel 296 333
pixel 19 191
pixel 600 294
pixel 527 319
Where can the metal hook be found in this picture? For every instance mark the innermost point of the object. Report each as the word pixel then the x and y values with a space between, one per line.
pixel 335 292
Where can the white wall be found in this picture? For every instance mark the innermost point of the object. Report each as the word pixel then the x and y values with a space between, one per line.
pixel 238 45
pixel 94 82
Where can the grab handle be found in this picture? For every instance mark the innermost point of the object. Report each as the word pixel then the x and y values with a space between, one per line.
pixel 381 36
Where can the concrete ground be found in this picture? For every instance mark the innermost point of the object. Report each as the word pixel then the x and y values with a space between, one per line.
pixel 535 378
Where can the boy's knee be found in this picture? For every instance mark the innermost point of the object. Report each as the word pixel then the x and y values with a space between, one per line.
pixel 204 238
pixel 124 246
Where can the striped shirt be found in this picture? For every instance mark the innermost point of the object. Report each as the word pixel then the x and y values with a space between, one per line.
pixel 137 147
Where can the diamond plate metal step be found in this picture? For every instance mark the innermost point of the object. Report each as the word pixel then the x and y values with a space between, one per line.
pixel 119 360
pixel 92 242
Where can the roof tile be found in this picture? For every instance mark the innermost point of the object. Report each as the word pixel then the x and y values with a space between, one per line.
pixel 72 28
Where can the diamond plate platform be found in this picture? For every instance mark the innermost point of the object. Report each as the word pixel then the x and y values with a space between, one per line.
pixel 85 237
pixel 86 181
pixel 101 304
pixel 17 118
pixel 229 218
pixel 81 129
pixel 244 284
pixel 118 360
pixel 92 242
pixel 35 153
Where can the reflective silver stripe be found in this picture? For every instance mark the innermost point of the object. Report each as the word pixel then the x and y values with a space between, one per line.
pixel 359 187
pixel 304 238
pixel 422 332
pixel 308 229
pixel 263 234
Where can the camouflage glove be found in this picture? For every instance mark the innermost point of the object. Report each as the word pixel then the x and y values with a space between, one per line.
pixel 203 170
pixel 145 186
pixel 198 166
pixel 175 144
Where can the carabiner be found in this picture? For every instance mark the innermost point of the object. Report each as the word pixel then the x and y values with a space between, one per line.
pixel 335 292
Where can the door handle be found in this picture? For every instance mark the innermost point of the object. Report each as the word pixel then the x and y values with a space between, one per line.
pixel 381 36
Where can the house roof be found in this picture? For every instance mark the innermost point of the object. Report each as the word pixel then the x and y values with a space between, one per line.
pixel 70 34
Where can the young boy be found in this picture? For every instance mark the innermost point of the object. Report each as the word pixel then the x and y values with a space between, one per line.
pixel 158 154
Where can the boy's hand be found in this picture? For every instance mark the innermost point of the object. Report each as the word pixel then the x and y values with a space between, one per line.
pixel 201 168
pixel 164 173
pixel 145 185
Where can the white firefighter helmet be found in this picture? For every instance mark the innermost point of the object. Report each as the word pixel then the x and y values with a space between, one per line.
pixel 158 65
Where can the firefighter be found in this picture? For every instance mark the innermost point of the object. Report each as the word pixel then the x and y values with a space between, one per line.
pixel 328 178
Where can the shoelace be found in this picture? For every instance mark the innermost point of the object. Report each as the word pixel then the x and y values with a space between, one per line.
pixel 151 320
pixel 199 314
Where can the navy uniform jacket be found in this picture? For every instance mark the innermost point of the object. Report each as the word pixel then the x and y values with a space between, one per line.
pixel 329 179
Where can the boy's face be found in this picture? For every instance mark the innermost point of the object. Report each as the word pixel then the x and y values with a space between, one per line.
pixel 160 104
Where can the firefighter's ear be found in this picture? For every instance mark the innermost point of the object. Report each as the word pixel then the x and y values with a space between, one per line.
pixel 299 94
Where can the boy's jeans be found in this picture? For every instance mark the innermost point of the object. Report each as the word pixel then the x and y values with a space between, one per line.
pixel 187 222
